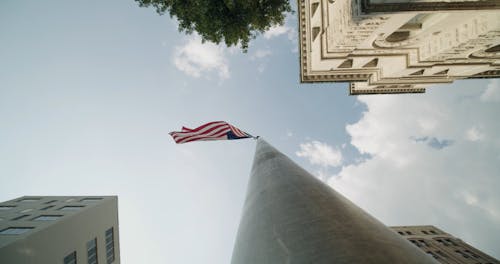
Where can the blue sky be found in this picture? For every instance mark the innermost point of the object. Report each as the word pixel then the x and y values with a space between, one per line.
pixel 90 90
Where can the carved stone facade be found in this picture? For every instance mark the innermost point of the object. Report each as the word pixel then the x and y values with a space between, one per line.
pixel 442 246
pixel 398 46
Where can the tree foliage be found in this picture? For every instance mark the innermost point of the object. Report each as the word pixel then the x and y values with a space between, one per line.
pixel 228 21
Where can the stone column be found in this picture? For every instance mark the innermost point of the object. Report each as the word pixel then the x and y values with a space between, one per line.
pixel 289 216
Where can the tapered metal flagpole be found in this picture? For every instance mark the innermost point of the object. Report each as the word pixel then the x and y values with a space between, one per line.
pixel 289 216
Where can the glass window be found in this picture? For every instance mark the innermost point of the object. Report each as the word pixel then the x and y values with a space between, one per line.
pixel 6 207
pixel 71 258
pixel 91 199
pixel 48 207
pixel 19 217
pixel 47 218
pixel 26 210
pixel 110 246
pixel 15 230
pixel 71 208
pixel 92 251
pixel 29 200
pixel 51 201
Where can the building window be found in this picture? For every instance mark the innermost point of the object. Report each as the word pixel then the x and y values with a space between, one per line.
pixel 71 208
pixel 28 200
pixel 92 251
pixel 462 253
pixel 441 254
pixel 110 246
pixel 47 218
pixel 71 258
pixel 70 200
pixel 433 232
pixel 401 233
pixel 415 242
pixel 425 232
pixel 408 233
pixel 26 210
pixel 451 242
pixel 45 208
pixel 15 230
pixel 423 242
pixel 6 207
pixel 432 254
pixel 51 201
pixel 19 217
pixel 91 199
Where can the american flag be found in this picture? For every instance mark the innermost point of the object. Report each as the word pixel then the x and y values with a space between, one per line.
pixel 218 130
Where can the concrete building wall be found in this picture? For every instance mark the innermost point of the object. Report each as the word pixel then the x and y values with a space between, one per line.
pixel 51 241
pixel 289 216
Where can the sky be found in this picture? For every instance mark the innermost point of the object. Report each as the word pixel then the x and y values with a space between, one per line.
pixel 89 91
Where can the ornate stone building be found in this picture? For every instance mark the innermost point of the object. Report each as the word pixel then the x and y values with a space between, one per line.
pixel 398 46
pixel 442 246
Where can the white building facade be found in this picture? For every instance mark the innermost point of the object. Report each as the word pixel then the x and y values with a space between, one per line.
pixel 398 46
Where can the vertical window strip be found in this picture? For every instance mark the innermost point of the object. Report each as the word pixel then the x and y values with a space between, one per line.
pixel 71 258
pixel 110 246
pixel 92 251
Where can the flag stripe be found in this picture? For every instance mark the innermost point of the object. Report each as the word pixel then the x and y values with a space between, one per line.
pixel 204 130
pixel 207 124
pixel 218 130
pixel 214 137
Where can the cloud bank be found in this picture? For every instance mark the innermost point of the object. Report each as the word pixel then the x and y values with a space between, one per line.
pixel 197 59
pixel 433 159
pixel 319 153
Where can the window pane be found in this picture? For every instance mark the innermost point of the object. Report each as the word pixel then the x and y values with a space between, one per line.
pixel 71 208
pixel 19 217
pixel 45 208
pixel 29 200
pixel 71 258
pixel 110 246
pixel 92 251
pixel 6 207
pixel 15 230
pixel 47 217
pixel 91 199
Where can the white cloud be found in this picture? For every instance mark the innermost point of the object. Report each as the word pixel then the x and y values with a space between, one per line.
pixel 261 68
pixel 319 153
pixel 492 92
pixel 260 53
pixel 277 30
pixel 288 30
pixel 474 134
pixel 201 59
pixel 409 181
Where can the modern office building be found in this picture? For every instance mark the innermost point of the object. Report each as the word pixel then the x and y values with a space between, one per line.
pixel 57 229
pixel 290 216
pixel 398 46
pixel 442 246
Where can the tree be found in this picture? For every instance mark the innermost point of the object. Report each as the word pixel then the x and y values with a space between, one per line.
pixel 228 21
